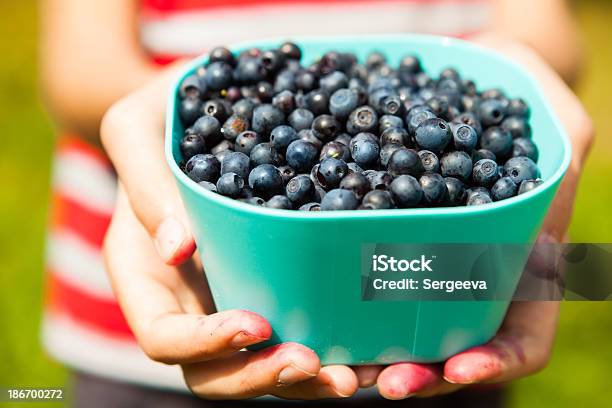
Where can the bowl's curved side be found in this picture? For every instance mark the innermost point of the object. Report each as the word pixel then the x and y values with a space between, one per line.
pixel 302 270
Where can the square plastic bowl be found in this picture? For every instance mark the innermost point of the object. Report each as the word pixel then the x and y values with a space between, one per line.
pixel 301 270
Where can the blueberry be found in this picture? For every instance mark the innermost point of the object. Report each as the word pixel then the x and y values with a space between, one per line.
pixel 325 127
pixel 192 87
pixel 218 76
pixel 516 126
pixel 191 145
pixel 208 128
pixel 433 134
pixel 290 51
pixel 468 118
pixel 375 60
pixel 415 118
pixel 491 112
pixel 485 173
pixel 249 70
pixel 330 83
pixel 518 107
pixel 406 191
pixel 307 135
pixel 264 153
pixel 498 141
pixel 282 136
pixel 343 102
pixel 456 191
pixel 230 185
pixel 434 189
pixel 389 121
pixel 236 162
pixel 528 185
pixel 477 190
pixel 208 186
pixel 306 81
pixel 266 117
pixel 357 183
pixel 343 138
pixel 287 173
pixel 264 91
pixel 256 201
pixel 464 137
pixel 470 103
pixel 233 94
pixel 330 172
pixel 221 54
pixel 405 161
pixel 244 107
pixel 430 161
pixel 339 199
pixel 266 181
pixel 480 154
pixel 319 193
pixel 285 81
pixel 362 136
pixel 301 119
pixel 311 207
pixel 203 167
pixel 189 110
pixel 218 109
pixel 523 146
pixel 234 126
pixel 503 188
pixel 300 189
pixel 301 155
pixel 362 119
pixel 456 164
pixel 438 105
pixel 479 199
pixel 520 169
pixel 316 101
pixel 285 101
pixel 493 93
pixel 335 150
pixel 365 153
pixel 391 105
pixel 280 202
pixel 379 179
pixel 386 151
pixel 272 61
pixel 246 141
pixel 410 64
pixel 377 200
pixel 396 136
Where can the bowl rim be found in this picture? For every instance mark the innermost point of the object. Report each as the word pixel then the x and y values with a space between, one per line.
pixel 246 208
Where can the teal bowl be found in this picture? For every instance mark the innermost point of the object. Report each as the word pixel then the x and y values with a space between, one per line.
pixel 301 270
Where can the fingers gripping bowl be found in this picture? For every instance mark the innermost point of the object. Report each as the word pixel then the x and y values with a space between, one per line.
pixel 300 269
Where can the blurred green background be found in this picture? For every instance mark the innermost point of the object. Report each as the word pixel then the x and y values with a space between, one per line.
pixel 579 373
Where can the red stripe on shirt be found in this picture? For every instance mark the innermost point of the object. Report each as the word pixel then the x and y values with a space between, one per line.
pixel 78 218
pixel 73 144
pixel 101 315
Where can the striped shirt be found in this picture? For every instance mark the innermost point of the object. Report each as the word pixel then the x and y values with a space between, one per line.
pixel 83 325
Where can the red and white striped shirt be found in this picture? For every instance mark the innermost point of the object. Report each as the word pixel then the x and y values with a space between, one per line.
pixel 83 325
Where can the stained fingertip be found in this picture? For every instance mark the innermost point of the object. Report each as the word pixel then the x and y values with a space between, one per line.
pixel 404 380
pixel 475 365
pixel 173 242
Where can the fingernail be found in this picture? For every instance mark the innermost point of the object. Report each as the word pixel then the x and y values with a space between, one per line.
pixel 292 374
pixel 168 238
pixel 244 339
pixel 328 391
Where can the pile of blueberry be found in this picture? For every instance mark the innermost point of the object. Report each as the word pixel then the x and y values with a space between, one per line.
pixel 341 135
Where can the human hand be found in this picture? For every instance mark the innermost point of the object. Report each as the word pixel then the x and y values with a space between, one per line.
pixel 523 344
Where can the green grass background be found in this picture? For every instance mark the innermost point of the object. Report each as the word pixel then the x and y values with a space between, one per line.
pixel 579 373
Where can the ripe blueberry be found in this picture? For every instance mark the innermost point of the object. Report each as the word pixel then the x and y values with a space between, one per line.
pixel 516 126
pixel 480 154
pixel 396 136
pixel 218 76
pixel 386 151
pixel 456 191
pixel 405 161
pixel 523 146
pixel 491 112
pixel 264 153
pixel 230 185
pixel 282 136
pixel 430 161
pixel 325 127
pixel 203 167
pixel 528 185
pixel 246 141
pixel 433 134
pixel 521 168
pixel 497 141
pixel 465 137
pixel 365 152
pixel 434 189
pixel 191 145
pixel 234 126
pixel 266 117
pixel 362 119
pixel 377 200
pixel 280 202
pixel 485 173
pixel 339 199
pixel 236 162
pixel 331 171
pixel 335 150
pixel 456 164
pixel 406 191
pixel 357 183
pixel 503 188
pixel 301 119
pixel 301 155
pixel 300 189
pixel 343 102
pixel 266 181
